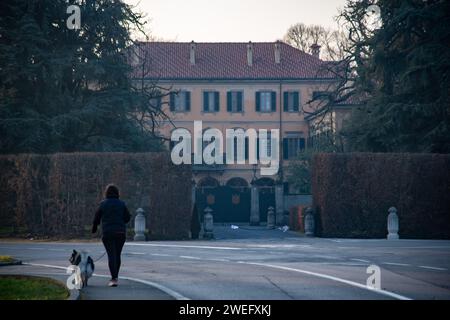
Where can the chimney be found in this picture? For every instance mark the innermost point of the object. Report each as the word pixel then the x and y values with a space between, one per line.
pixel 192 53
pixel 315 50
pixel 250 54
pixel 277 52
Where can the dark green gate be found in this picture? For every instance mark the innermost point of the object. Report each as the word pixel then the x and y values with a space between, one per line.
pixel 230 203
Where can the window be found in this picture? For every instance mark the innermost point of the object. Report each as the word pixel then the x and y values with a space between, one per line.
pixel 211 101
pixel 291 101
pixel 155 102
pixel 293 144
pixel 180 102
pixel 234 101
pixel 266 101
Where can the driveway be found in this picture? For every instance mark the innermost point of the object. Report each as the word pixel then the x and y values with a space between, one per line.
pixel 255 263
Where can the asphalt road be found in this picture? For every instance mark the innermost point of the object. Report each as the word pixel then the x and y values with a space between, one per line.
pixel 255 263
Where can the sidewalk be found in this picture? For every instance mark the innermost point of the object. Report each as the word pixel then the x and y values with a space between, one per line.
pixel 97 289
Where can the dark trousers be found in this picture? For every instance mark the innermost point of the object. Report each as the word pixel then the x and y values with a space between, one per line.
pixel 113 244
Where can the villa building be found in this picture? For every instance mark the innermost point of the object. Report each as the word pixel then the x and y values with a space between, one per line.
pixel 238 85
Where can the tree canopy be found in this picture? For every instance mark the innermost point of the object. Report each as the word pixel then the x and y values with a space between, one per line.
pixel 65 90
pixel 400 73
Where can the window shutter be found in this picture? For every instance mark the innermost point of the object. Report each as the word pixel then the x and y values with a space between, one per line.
pixel 216 101
pixel 229 101
pixel 188 100
pixel 172 101
pixel 257 148
pixel 301 144
pixel 274 101
pixel 285 148
pixel 258 101
pixel 246 148
pixel 286 101
pixel 296 101
pixel 158 103
pixel 205 101
pixel 239 101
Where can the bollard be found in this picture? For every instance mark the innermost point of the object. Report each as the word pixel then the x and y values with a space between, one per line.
pixel 271 218
pixel 208 224
pixel 139 225
pixel 392 224
pixel 309 222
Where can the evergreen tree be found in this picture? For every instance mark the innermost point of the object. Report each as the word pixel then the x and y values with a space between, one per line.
pixel 64 90
pixel 400 72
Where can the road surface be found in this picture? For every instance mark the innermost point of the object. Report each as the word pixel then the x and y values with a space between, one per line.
pixel 254 263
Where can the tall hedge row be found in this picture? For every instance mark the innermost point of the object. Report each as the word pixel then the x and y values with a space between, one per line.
pixel 57 195
pixel 353 192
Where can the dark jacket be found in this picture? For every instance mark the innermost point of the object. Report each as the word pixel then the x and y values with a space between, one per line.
pixel 113 214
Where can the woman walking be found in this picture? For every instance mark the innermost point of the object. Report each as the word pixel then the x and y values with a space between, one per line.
pixel 113 215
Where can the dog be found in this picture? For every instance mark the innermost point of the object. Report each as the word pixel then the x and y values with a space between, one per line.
pixel 86 264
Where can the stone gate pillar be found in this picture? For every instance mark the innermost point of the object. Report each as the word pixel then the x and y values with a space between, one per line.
pixel 254 211
pixel 279 204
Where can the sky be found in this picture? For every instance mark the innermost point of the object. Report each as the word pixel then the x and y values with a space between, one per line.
pixel 233 20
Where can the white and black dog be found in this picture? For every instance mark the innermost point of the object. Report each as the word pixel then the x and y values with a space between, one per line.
pixel 86 264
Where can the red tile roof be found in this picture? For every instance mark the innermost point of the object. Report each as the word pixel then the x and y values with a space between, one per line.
pixel 170 61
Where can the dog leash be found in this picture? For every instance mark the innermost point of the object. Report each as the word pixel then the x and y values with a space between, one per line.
pixel 100 257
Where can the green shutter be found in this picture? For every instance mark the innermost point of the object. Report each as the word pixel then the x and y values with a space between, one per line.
pixel 239 101
pixel 301 144
pixel 286 101
pixel 296 101
pixel 172 101
pixel 188 100
pixel 274 101
pixel 229 101
pixel 205 101
pixel 258 101
pixel 216 101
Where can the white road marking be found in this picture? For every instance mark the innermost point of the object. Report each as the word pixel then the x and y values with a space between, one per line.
pixel 140 253
pixel 361 260
pixel 324 276
pixel 161 254
pixel 433 268
pixel 342 263
pixel 189 257
pixel 35 248
pixel 170 292
pixel 180 246
pixel 275 245
pixel 397 264
pixel 219 260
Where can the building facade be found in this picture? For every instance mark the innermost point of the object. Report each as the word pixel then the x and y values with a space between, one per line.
pixel 237 85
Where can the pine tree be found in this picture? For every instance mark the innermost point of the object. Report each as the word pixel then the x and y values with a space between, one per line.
pixel 64 90
pixel 401 74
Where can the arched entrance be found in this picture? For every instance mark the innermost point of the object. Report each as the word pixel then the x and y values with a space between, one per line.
pixel 230 202
pixel 238 193
pixel 266 189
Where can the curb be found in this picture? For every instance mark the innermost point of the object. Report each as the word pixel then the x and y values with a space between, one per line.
pixel 12 263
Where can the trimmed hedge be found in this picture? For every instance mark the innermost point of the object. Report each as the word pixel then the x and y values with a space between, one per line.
pixel 56 195
pixel 352 194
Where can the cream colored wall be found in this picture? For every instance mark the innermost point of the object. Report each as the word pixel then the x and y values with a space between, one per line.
pixel 249 118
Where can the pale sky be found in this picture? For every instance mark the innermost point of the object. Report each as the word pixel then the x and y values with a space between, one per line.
pixel 234 20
